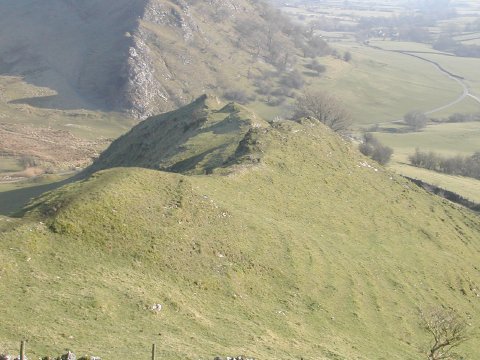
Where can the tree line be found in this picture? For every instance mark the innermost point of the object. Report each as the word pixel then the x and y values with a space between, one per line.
pixel 448 44
pixel 458 118
pixel 457 165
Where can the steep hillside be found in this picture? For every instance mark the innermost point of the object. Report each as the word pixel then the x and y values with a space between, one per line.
pixel 294 247
pixel 142 56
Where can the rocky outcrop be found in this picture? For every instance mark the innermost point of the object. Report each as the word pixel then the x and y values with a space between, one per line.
pixel 177 15
pixel 151 85
pixel 141 94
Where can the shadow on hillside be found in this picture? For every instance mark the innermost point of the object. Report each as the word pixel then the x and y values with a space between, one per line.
pixel 12 202
pixel 226 126
pixel 60 101
pixel 212 159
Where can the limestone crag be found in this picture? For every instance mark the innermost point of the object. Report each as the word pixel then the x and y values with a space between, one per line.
pixel 141 94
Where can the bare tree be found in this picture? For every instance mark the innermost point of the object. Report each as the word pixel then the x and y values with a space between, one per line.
pixel 347 56
pixel 416 120
pixel 324 108
pixel 293 79
pixel 375 150
pixel 448 330
pixel 316 66
pixel 27 161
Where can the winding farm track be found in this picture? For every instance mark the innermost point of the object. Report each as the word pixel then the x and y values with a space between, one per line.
pixel 454 77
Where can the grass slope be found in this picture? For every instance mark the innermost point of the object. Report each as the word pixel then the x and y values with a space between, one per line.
pixel 299 248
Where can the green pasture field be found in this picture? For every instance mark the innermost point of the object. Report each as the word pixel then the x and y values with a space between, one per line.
pixel 448 139
pixel 355 14
pixel 466 106
pixel 462 19
pixel 379 86
pixel 272 112
pixel 345 15
pixel 91 124
pixel 469 68
pixel 84 124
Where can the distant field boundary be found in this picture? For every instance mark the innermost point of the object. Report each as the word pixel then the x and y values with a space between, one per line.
pixel 446 194
pixel 413 54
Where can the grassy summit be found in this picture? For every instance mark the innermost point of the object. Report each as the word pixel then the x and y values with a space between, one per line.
pixel 197 138
pixel 294 245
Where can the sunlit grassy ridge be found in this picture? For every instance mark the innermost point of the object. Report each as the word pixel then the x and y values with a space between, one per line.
pixel 296 247
pixel 197 138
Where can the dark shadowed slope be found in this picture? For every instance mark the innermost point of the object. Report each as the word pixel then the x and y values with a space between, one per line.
pixel 76 48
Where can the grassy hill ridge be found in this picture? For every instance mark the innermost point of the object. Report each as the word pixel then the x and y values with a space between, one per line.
pixel 311 251
pixel 197 138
